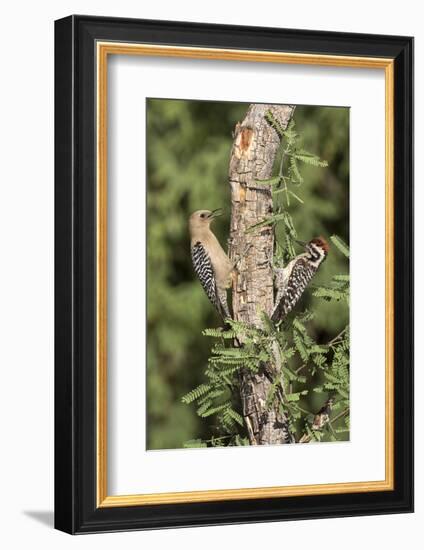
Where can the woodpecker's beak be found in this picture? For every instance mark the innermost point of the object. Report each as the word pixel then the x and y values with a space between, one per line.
pixel 215 213
pixel 302 243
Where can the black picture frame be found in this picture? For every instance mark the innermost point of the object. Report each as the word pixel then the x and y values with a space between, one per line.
pixel 76 510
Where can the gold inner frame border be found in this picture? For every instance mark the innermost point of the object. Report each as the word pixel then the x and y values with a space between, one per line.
pixel 103 50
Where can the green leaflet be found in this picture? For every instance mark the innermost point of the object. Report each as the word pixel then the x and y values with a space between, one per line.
pixel 340 245
pixel 318 349
pixel 295 196
pixel 294 172
pixel 289 374
pixel 298 324
pixel 301 348
pixel 341 278
pixel 270 181
pixel 329 293
pixel 204 407
pixel 211 395
pixel 214 410
pixel 218 333
pixel 343 393
pixel 271 220
pixel 331 377
pixel 296 396
pixel 234 415
pixel 195 394
pixel 309 158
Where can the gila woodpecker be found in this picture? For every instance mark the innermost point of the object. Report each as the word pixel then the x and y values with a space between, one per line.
pixel 210 262
pixel 292 280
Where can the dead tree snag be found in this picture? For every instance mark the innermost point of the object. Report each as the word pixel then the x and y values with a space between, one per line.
pixel 253 154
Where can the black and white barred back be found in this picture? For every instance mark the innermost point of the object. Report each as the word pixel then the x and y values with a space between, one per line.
pixel 299 278
pixel 205 272
pixel 292 280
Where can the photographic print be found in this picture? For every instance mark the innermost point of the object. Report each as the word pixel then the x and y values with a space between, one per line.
pixel 203 303
pixel 247 274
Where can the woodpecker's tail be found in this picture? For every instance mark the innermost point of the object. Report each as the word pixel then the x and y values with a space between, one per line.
pixel 276 314
pixel 223 304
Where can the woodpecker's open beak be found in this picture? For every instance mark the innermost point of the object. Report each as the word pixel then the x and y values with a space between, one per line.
pixel 215 213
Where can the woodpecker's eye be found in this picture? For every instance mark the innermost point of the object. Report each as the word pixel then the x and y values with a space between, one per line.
pixel 202 215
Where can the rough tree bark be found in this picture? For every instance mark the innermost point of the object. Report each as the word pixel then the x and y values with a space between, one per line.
pixel 252 158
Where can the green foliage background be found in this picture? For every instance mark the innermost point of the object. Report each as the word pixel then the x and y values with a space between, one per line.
pixel 188 149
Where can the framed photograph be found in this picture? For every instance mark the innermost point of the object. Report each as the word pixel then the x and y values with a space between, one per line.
pixel 234 274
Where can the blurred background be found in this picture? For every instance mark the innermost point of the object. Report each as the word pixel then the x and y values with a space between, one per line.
pixel 188 150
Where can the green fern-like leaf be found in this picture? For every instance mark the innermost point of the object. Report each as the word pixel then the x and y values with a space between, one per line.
pixel 271 220
pixel 273 122
pixel 295 196
pixel 329 294
pixel 291 252
pixel 290 134
pixel 309 158
pixel 214 410
pixel 219 333
pixel 234 415
pixel 294 171
pixel 341 278
pixel 270 181
pixel 296 396
pixel 213 394
pixel 340 245
pixel 196 393
pixel 298 342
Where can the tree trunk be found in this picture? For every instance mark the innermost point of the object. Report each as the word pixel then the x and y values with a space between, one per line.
pixel 253 155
